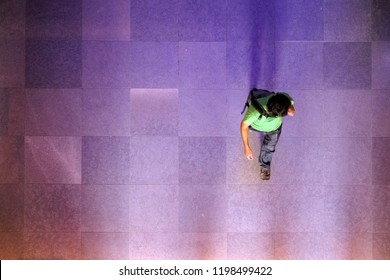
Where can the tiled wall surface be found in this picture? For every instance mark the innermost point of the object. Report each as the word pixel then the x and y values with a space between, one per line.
pixel 119 129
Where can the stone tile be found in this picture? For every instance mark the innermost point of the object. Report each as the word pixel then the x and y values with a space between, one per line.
pixel 348 246
pixel 154 160
pixel 53 112
pixel 4 108
pixel 154 208
pixel 105 66
pixel 299 20
pixel 154 64
pixel 299 246
pixel 11 208
pixel 53 160
pixel 380 65
pixel 203 246
pixel 12 57
pixel 202 65
pixel 380 14
pixel 202 208
pixel 339 169
pixel 250 64
pixel 52 246
pixel 52 208
pixel 299 208
pixel 381 246
pixel 349 113
pixel 250 209
pixel 53 19
pixel 13 16
pixel 380 161
pixel 104 20
pixel 11 160
pixel 200 107
pixel 348 21
pixel 202 160
pixel 355 70
pixel 250 20
pixel 380 114
pixel 202 21
pixel 11 245
pixel 250 246
pixel 155 20
pixel 154 112
pixel 16 111
pixel 106 112
pixel 105 160
pixel 299 65
pixel 235 103
pixel 53 64
pixel 104 246
pixel 348 208
pixel 381 208
pixel 105 208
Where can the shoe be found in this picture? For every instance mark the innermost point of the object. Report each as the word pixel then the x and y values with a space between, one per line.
pixel 265 174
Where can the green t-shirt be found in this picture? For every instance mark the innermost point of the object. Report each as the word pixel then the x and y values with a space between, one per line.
pixel 263 124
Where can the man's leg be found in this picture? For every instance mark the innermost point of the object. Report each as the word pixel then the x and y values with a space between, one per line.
pixel 267 151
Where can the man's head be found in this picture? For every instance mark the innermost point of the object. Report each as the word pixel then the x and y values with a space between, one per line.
pixel 278 105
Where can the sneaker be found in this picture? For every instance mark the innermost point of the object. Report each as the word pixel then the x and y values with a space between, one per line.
pixel 265 174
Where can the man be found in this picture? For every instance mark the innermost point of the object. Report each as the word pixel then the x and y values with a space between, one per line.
pixel 269 122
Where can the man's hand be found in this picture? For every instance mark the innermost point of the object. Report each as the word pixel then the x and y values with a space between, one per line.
pixel 248 153
pixel 291 111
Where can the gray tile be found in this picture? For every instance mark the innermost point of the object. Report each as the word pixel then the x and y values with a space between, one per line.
pixel 203 246
pixel 235 103
pixel 348 21
pixel 299 246
pixel 104 20
pixel 11 245
pixel 53 19
pixel 11 208
pixel 12 67
pixel 4 108
pixel 52 246
pixel 11 160
pixel 347 161
pixel 198 107
pixel 380 161
pixel 298 65
pixel 52 208
pixel 347 65
pixel 154 64
pixel 105 112
pixel 105 160
pixel 381 246
pixel 53 64
pixel 202 208
pixel 105 208
pixel 53 112
pixel 250 20
pixel 13 15
pixel 202 20
pixel 348 208
pixel 154 208
pixel 154 112
pixel 104 65
pixel 380 114
pixel 250 246
pixel 299 20
pixel 155 20
pixel 348 113
pixel 381 208
pixel 104 246
pixel 380 65
pixel 53 160
pixel 154 160
pixel 380 20
pixel 250 64
pixel 202 65
pixel 202 160
pixel 16 111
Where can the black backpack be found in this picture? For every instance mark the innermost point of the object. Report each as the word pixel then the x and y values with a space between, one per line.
pixel 253 95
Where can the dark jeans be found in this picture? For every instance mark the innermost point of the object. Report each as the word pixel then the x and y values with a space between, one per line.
pixel 268 147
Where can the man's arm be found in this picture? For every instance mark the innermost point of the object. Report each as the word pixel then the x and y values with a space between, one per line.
pixel 291 111
pixel 244 136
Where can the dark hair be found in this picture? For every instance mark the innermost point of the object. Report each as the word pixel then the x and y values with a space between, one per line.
pixel 278 105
